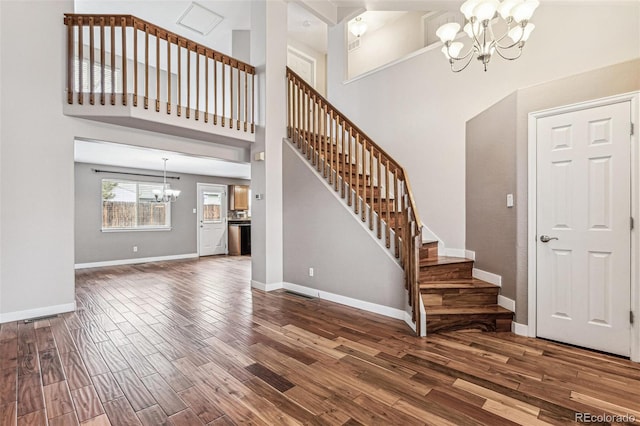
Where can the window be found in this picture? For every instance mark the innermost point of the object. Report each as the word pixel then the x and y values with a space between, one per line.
pixel 212 202
pixel 130 205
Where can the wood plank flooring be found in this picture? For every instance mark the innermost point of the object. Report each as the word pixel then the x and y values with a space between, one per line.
pixel 189 343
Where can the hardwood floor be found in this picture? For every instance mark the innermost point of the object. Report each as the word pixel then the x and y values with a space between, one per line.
pixel 189 343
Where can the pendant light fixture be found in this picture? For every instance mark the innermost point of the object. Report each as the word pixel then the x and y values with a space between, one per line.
pixel 165 195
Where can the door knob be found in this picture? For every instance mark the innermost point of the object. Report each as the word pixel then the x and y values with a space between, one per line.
pixel 546 238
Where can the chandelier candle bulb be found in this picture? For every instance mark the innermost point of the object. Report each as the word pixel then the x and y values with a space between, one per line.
pixel 482 16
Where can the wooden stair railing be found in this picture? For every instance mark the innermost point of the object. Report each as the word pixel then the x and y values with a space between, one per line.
pixel 104 59
pixel 370 180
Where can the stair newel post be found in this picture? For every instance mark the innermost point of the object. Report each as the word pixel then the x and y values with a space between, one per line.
pixel 80 61
pixel 371 190
pixel 92 77
pixel 416 283
pixel 123 27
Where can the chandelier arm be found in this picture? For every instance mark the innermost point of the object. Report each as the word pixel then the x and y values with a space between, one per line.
pixel 465 65
pixel 509 58
pixel 460 58
pixel 476 40
pixel 515 43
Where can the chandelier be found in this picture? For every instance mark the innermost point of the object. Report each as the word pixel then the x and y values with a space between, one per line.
pixel 482 16
pixel 166 195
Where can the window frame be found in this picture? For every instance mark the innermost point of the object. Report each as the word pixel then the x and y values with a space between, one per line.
pixel 137 228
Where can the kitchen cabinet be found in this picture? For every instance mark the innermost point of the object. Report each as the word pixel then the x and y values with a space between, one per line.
pixel 239 197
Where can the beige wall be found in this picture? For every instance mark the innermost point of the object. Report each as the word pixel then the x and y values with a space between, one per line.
pixel 490 176
pixel 510 168
pixel 321 64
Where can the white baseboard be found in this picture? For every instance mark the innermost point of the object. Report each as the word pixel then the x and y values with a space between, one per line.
pixel 520 329
pixel 135 261
pixel 507 303
pixel 344 300
pixel 487 276
pixel 470 254
pixel 37 312
pixel 453 252
pixel 266 287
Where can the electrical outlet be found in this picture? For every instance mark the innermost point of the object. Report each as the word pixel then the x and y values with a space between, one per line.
pixel 195 211
pixel 310 272
pixel 135 249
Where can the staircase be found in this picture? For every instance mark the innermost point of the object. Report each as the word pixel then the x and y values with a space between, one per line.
pixel 378 190
pixel 453 299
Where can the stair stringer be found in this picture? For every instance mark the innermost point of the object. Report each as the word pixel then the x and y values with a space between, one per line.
pixel 321 229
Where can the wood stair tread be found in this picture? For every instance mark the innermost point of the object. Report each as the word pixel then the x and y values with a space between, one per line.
pixel 460 283
pixel 444 260
pixel 469 310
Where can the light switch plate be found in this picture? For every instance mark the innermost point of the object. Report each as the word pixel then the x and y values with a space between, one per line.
pixel 509 200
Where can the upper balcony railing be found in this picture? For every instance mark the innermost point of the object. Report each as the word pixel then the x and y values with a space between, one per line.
pixel 121 59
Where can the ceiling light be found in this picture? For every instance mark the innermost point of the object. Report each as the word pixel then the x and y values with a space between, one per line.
pixel 481 15
pixel 358 27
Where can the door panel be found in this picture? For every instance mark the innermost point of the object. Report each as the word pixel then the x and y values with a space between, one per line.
pixel 584 200
pixel 212 219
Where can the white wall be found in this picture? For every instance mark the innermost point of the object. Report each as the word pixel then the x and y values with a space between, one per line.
pixel 387 44
pixel 417 109
pixel 37 162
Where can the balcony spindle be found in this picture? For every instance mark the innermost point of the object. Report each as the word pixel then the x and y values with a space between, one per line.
pixel 70 59
pixel 238 101
pixel 300 116
pixel 215 91
pixel 197 84
pixel 123 27
pixel 253 103
pixel 397 209
pixel 102 62
pixel 332 145
pixel 206 88
pixel 157 70
pixel 135 63
pixel 188 114
pixel 80 61
pixel 112 33
pixel 230 96
pixel 246 99
pixel 373 195
pixel 388 204
pixel 168 74
pixel 344 158
pixel 179 100
pixel 223 98
pixel 146 66
pixel 92 77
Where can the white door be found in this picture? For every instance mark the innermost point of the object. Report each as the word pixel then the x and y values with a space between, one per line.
pixel 212 219
pixel 583 228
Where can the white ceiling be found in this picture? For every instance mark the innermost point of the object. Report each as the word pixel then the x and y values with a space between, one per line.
pixel 120 155
pixel 305 27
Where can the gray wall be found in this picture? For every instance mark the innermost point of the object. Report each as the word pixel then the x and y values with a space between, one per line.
pixel 92 245
pixel 319 232
pixel 599 83
pixel 490 176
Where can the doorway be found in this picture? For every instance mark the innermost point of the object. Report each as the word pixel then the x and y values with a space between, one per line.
pixel 212 219
pixel 581 225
